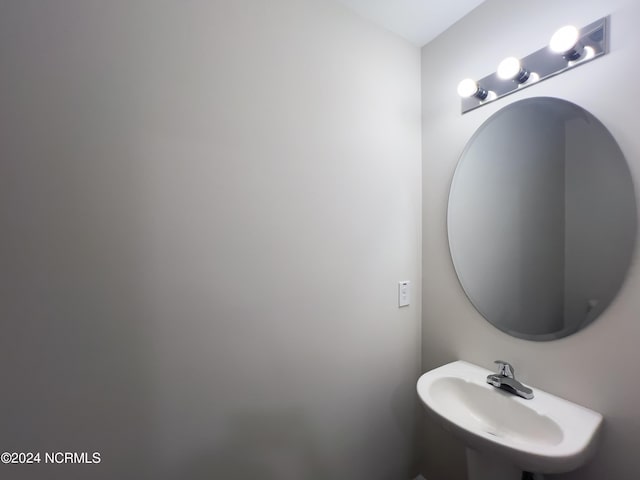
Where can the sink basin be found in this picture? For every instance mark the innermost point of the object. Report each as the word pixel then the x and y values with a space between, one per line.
pixel 544 435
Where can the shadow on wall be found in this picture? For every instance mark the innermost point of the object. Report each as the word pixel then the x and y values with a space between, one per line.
pixel 74 345
pixel 264 445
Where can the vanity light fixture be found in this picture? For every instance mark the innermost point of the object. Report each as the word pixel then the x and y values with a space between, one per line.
pixel 511 69
pixel 469 88
pixel 568 48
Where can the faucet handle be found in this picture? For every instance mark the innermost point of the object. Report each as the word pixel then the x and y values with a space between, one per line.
pixel 505 369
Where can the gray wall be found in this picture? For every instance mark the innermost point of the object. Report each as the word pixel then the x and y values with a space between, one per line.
pixel 596 367
pixel 205 209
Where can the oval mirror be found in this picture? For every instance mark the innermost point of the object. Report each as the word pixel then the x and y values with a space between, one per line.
pixel 541 219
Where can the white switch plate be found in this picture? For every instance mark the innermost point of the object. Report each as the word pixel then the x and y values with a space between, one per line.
pixel 404 293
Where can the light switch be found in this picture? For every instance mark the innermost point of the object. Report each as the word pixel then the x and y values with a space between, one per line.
pixel 404 293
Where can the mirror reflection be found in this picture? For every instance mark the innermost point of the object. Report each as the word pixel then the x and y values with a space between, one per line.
pixel 541 219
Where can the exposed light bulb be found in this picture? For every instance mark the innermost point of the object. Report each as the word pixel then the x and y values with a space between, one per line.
pixel 511 69
pixel 564 39
pixel 468 88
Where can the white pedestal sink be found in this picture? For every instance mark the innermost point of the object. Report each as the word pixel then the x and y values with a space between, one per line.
pixel 506 434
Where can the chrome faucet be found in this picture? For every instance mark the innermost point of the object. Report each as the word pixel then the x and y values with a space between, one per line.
pixel 506 380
